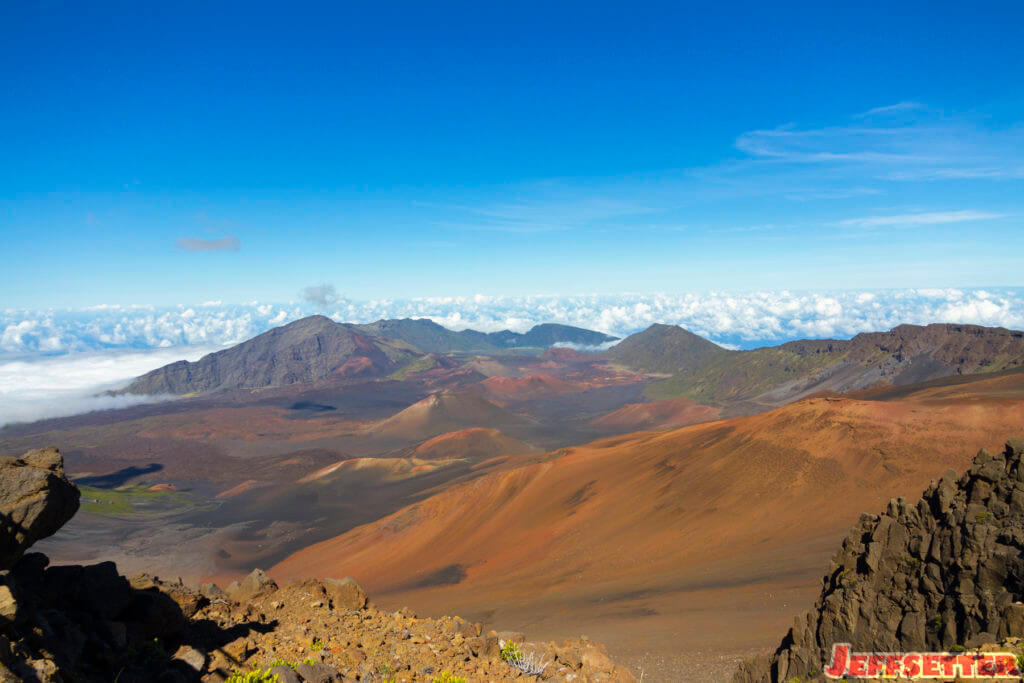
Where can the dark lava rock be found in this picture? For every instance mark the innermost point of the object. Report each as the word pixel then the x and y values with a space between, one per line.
pixel 947 571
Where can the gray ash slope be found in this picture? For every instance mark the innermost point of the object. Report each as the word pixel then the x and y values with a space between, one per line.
pixel 306 350
pixel 947 571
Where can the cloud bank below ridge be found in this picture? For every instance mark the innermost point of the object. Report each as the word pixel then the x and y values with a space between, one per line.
pixel 741 319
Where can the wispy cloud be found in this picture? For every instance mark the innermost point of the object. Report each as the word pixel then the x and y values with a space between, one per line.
pixel 228 243
pixel 927 145
pixel 321 295
pixel 898 108
pixel 545 214
pixel 915 219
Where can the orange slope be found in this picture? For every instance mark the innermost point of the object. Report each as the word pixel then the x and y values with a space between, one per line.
pixel 657 415
pixel 476 443
pixel 645 507
pixel 527 388
pixel 440 413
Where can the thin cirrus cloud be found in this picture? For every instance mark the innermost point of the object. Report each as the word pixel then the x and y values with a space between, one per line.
pixel 909 220
pixel 906 141
pixel 228 243
pixel 899 107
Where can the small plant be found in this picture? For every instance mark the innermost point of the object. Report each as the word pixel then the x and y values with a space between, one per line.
pixel 448 677
pixel 511 651
pixel 983 517
pixel 317 645
pixel 281 662
pixel 146 652
pixel 957 648
pixel 935 623
pixel 531 664
pixel 910 563
pixel 256 676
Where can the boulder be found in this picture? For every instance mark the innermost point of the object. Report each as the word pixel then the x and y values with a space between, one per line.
pixel 345 594
pixel 256 584
pixel 36 500
pixel 317 673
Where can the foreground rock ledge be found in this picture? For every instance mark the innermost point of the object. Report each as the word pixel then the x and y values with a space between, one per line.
pixel 944 573
pixel 36 500
pixel 90 624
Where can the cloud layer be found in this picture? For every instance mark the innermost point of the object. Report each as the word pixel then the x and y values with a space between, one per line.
pixel 56 386
pixel 57 361
pixel 744 319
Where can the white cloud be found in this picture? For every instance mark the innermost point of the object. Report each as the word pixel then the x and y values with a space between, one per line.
pixel 746 318
pixel 55 386
pixel 57 361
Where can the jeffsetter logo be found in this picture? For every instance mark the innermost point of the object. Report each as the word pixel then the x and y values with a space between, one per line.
pixel 920 665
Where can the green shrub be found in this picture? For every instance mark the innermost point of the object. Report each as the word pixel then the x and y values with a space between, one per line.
pixel 256 676
pixel 511 651
pixel 448 677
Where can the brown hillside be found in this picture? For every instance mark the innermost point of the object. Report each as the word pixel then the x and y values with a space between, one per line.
pixel 648 535
pixel 476 443
pixel 668 414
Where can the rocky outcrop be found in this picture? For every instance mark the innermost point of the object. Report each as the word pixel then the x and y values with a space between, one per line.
pixel 312 630
pixel 36 499
pixel 945 572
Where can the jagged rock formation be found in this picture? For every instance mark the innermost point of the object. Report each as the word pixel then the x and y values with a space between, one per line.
pixel 947 571
pixel 35 501
pixel 89 624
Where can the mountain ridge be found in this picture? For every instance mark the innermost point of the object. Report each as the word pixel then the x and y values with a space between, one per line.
pixel 774 375
pixel 317 347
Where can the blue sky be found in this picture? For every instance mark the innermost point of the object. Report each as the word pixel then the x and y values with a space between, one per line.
pixel 166 153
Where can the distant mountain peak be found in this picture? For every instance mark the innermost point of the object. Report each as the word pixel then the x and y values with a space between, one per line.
pixel 664 348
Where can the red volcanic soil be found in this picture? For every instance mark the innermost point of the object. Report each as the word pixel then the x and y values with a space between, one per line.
pixel 657 415
pixel 477 443
pixel 527 388
pixel 244 487
pixel 440 413
pixel 564 355
pixel 712 535
pixel 354 367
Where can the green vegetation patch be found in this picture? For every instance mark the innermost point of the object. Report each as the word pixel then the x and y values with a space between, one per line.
pixel 137 499
pixel 418 365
